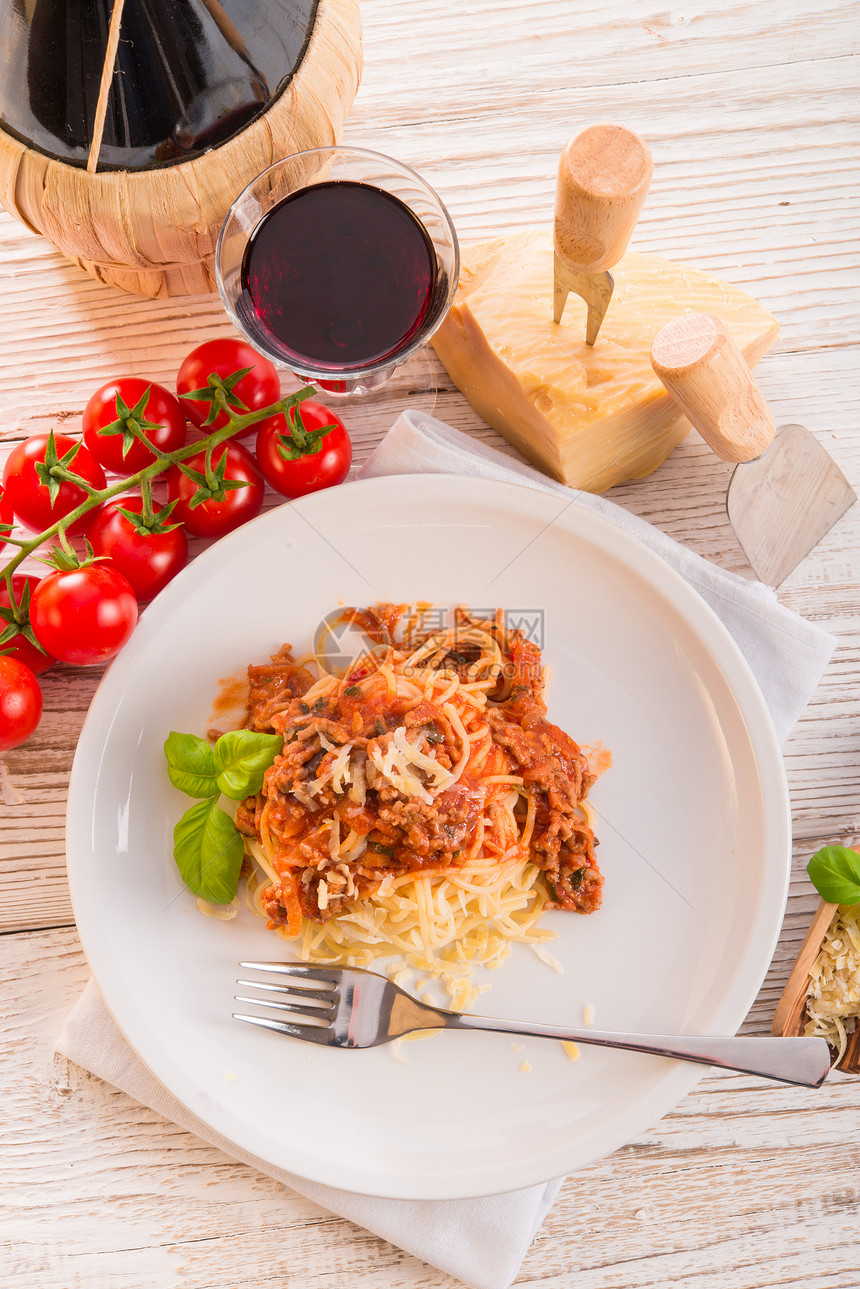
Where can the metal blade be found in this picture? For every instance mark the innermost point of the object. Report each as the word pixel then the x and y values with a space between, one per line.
pixel 594 288
pixel 784 502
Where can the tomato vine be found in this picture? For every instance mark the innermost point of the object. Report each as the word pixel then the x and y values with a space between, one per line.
pixel 96 497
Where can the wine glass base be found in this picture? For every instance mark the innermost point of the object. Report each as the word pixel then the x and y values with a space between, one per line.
pixel 368 414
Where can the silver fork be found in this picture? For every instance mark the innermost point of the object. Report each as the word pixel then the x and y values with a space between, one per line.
pixel 347 1007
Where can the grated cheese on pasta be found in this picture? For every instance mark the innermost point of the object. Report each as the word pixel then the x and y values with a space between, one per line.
pixel 413 916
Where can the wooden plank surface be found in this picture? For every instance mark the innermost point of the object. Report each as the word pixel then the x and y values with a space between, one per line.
pixel 751 111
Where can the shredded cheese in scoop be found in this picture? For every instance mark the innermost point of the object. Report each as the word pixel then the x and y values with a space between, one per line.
pixel 833 998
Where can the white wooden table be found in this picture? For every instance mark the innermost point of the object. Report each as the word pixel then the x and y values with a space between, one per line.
pixel 751 111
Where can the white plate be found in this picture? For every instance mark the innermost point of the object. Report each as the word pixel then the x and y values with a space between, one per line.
pixel 694 831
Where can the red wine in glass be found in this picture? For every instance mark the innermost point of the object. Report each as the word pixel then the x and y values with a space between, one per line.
pixel 339 275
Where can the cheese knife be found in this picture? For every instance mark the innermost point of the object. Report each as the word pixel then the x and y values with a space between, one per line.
pixel 786 492
pixel 603 179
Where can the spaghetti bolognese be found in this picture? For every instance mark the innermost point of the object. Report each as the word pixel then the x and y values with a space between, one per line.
pixel 422 804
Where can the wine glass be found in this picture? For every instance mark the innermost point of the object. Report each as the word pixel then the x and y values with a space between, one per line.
pixel 338 264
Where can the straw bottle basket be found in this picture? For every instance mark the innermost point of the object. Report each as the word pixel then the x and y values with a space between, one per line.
pixel 127 127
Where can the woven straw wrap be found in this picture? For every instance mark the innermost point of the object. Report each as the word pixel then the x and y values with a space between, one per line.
pixel 153 232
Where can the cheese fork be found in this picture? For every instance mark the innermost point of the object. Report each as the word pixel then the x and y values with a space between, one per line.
pixel 348 1007
pixel 603 179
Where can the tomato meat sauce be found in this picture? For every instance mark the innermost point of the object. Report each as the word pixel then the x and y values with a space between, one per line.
pixel 307 798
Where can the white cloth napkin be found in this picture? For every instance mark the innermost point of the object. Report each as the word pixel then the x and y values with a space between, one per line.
pixel 482 1242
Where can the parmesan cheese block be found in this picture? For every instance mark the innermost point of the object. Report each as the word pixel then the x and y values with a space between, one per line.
pixel 591 417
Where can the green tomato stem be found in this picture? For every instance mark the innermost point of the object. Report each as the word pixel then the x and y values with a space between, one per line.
pixel 68 476
pixel 147 511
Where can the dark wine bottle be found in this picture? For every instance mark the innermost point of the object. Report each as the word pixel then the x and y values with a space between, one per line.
pixel 188 74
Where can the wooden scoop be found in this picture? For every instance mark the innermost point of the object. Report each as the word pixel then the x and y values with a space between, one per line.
pixel 786 492
pixel 789 1018
pixel 603 179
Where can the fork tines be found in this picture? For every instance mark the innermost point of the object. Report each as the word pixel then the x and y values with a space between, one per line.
pixel 296 1029
pixel 310 995
pixel 319 995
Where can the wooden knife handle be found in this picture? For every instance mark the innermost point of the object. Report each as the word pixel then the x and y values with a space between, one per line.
pixel 702 367
pixel 603 179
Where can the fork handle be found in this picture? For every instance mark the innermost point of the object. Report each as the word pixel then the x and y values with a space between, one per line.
pixel 603 178
pixel 805 1061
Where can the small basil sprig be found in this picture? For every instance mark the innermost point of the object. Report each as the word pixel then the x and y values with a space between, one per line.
pixel 835 873
pixel 207 845
pixel 235 765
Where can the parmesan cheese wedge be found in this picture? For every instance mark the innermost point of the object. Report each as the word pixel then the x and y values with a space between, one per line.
pixel 590 417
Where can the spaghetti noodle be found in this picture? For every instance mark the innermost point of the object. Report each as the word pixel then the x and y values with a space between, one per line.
pixel 422 805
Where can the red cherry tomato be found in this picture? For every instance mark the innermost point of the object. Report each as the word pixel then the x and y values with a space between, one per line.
pixel 128 400
pixel 20 703
pixel 221 359
pixel 223 510
pixel 148 559
pixel 7 515
pixel 18 646
pixel 30 498
pixel 83 615
pixel 322 461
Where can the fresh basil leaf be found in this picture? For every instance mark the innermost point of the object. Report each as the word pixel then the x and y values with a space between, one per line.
pixel 835 873
pixel 208 850
pixel 191 765
pixel 242 757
